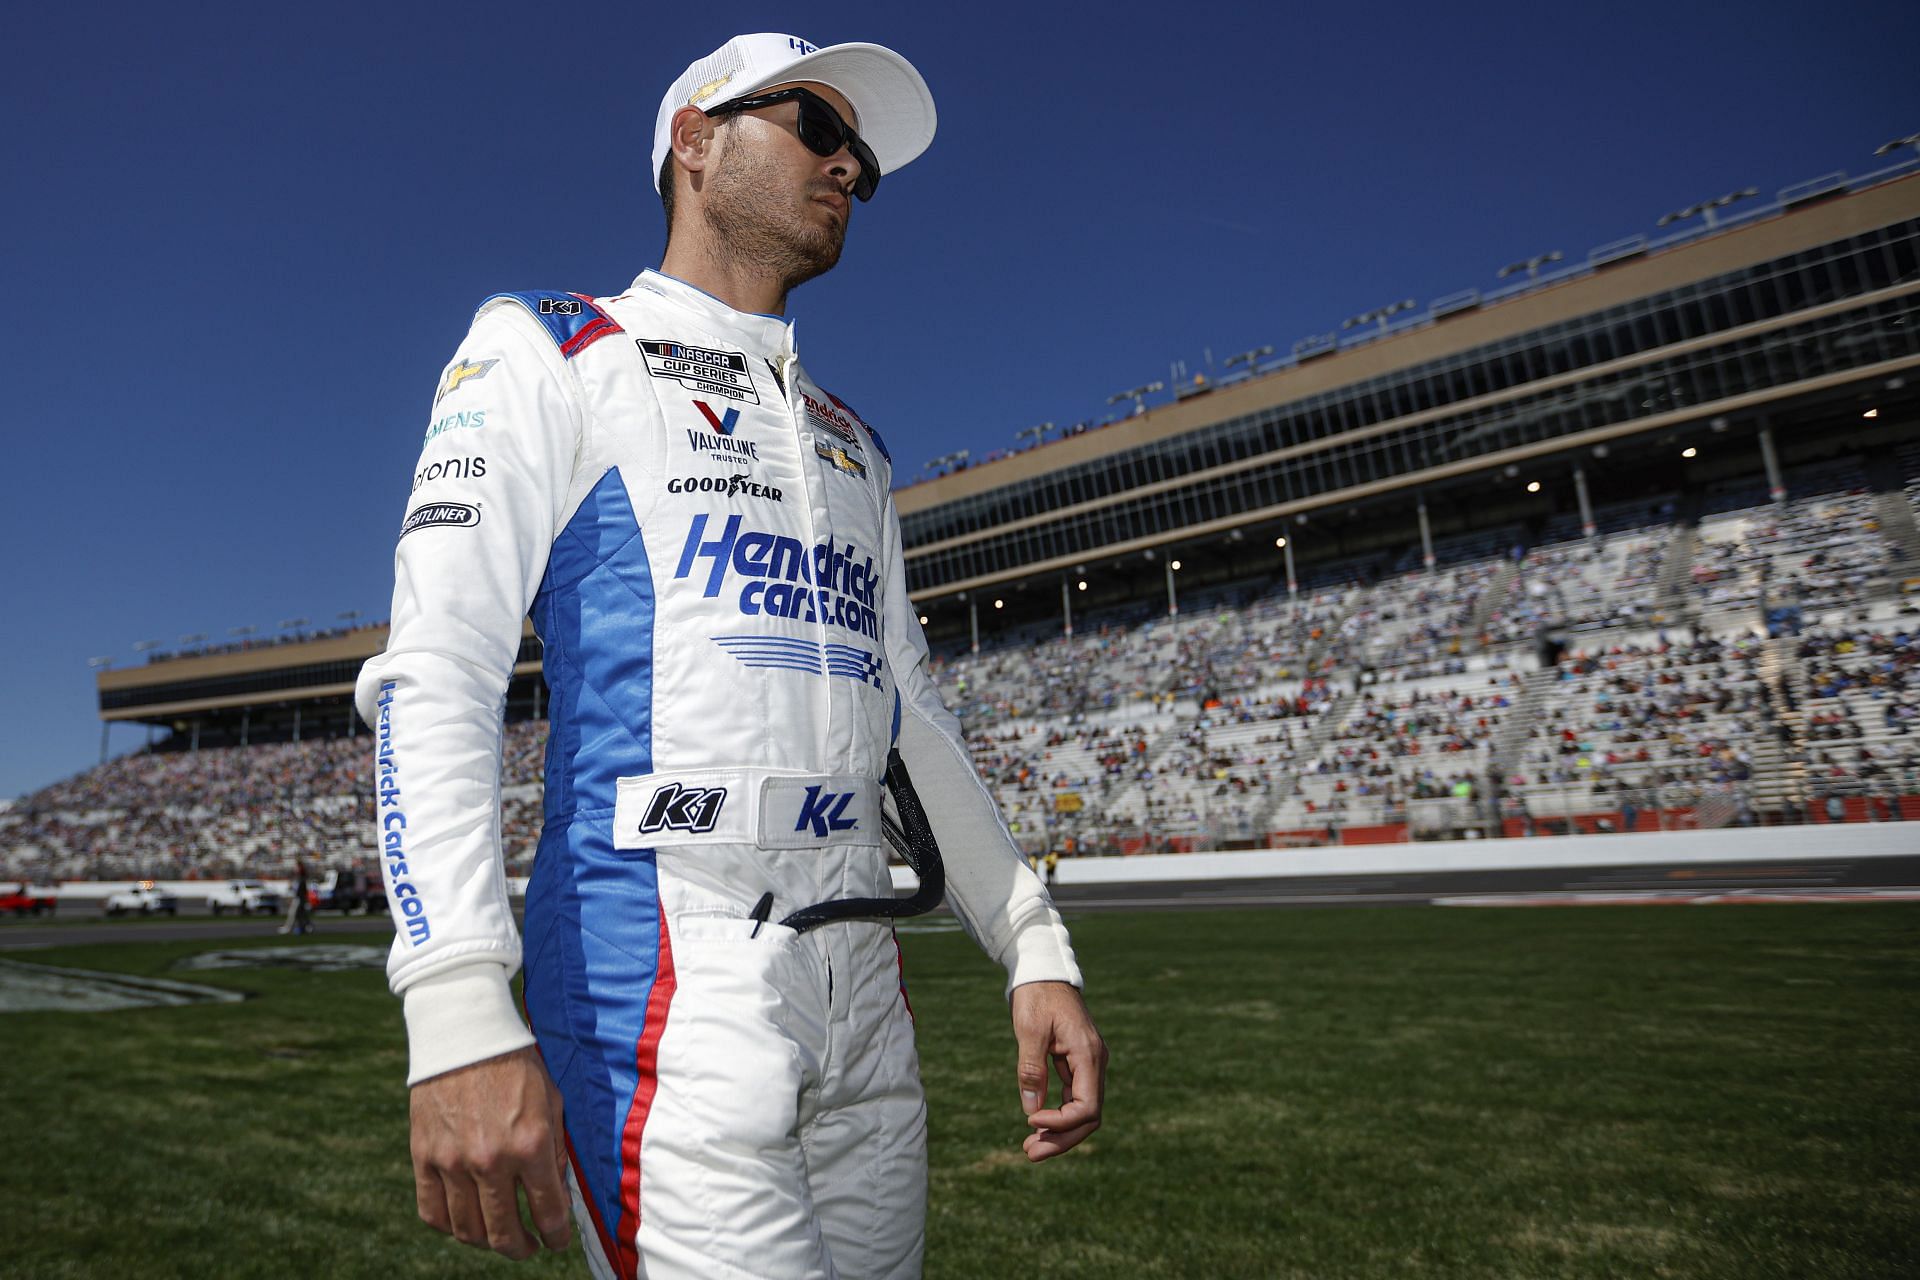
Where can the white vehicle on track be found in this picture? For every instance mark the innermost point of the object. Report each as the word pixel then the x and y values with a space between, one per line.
pixel 243 896
pixel 143 898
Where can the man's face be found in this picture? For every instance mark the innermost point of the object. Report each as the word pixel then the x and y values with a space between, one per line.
pixel 772 200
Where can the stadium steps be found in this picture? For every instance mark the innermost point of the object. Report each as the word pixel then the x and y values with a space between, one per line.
pixel 1897 526
pixel 1492 596
pixel 1332 717
pixel 1516 730
pixel 1672 602
pixel 1780 760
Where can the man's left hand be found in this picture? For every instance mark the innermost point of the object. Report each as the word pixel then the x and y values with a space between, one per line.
pixel 1051 1022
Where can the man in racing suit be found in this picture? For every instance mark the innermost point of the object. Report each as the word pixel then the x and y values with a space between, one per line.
pixel 707 546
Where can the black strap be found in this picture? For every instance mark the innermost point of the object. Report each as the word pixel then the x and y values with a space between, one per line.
pixel 913 837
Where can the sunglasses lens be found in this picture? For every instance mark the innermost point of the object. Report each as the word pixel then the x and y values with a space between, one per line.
pixel 820 129
pixel 869 171
pixel 823 132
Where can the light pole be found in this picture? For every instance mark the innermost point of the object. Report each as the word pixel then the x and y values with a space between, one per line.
pixel 1706 207
pixel 1138 395
pixel 101 663
pixel 1888 148
pixel 1293 584
pixel 1251 359
pixel 1173 600
pixel 1037 431
pixel 1378 314
pixel 1529 265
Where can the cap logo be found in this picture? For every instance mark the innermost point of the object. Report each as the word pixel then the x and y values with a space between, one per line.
pixel 707 90
pixel 795 42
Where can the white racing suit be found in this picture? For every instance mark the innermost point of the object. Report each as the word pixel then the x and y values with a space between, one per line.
pixel 710 554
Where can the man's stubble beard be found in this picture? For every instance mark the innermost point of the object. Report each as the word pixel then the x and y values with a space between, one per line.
pixel 751 228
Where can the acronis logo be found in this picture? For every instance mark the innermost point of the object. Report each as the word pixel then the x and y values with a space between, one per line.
pixel 465 420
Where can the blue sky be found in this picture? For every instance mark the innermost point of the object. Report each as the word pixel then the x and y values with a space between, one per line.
pixel 241 241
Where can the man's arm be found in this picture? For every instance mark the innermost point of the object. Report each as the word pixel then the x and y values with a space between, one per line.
pixel 493 482
pixel 999 899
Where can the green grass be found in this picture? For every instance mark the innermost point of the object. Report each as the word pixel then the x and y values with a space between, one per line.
pixel 1594 1092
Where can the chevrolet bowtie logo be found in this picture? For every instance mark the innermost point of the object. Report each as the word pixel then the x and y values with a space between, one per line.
pixel 841 459
pixel 465 371
pixel 707 90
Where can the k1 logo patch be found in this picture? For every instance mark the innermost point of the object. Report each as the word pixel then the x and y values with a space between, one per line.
pixel 677 808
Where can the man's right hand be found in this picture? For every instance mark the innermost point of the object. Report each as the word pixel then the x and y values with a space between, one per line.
pixel 478 1134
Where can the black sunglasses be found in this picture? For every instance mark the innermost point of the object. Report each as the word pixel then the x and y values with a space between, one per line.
pixel 822 131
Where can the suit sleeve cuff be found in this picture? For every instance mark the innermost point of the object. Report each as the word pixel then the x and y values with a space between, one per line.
pixel 1041 952
pixel 461 1017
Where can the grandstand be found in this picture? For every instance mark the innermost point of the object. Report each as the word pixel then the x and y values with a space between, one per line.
pixel 1629 546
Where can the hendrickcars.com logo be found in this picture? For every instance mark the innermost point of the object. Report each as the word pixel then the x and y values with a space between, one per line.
pixel 787 578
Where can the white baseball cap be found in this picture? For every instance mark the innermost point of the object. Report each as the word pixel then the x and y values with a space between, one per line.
pixel 893 106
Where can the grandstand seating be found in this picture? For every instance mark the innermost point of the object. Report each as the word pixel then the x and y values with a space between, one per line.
pixel 1384 690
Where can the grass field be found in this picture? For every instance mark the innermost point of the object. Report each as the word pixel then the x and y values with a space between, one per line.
pixel 1725 1092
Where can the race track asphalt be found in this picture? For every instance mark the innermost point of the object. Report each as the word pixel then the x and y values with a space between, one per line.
pixel 1811 879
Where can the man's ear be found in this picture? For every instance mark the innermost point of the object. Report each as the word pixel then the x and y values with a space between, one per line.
pixel 690 134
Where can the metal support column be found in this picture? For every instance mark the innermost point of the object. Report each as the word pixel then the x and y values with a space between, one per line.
pixel 104 726
pixel 296 722
pixel 1173 601
pixel 973 619
pixel 194 745
pixel 1587 525
pixel 1066 602
pixel 1776 485
pixel 1426 539
pixel 246 723
pixel 1293 583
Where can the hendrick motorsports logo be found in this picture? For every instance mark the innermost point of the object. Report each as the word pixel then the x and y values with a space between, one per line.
pixel 720 373
pixel 787 578
pixel 450 515
pixel 830 416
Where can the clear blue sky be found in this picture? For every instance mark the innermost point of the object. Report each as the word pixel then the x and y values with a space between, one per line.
pixel 241 240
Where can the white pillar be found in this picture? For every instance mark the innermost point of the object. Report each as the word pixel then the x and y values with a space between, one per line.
pixel 1776 485
pixel 1587 525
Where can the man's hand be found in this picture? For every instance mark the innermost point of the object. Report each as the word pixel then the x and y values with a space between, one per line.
pixel 479 1132
pixel 1050 1021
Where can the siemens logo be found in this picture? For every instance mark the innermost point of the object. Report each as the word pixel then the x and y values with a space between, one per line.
pixel 393 826
pixel 787 578
pixel 465 420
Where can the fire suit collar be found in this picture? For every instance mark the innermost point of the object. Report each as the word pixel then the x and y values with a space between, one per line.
pixel 768 335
